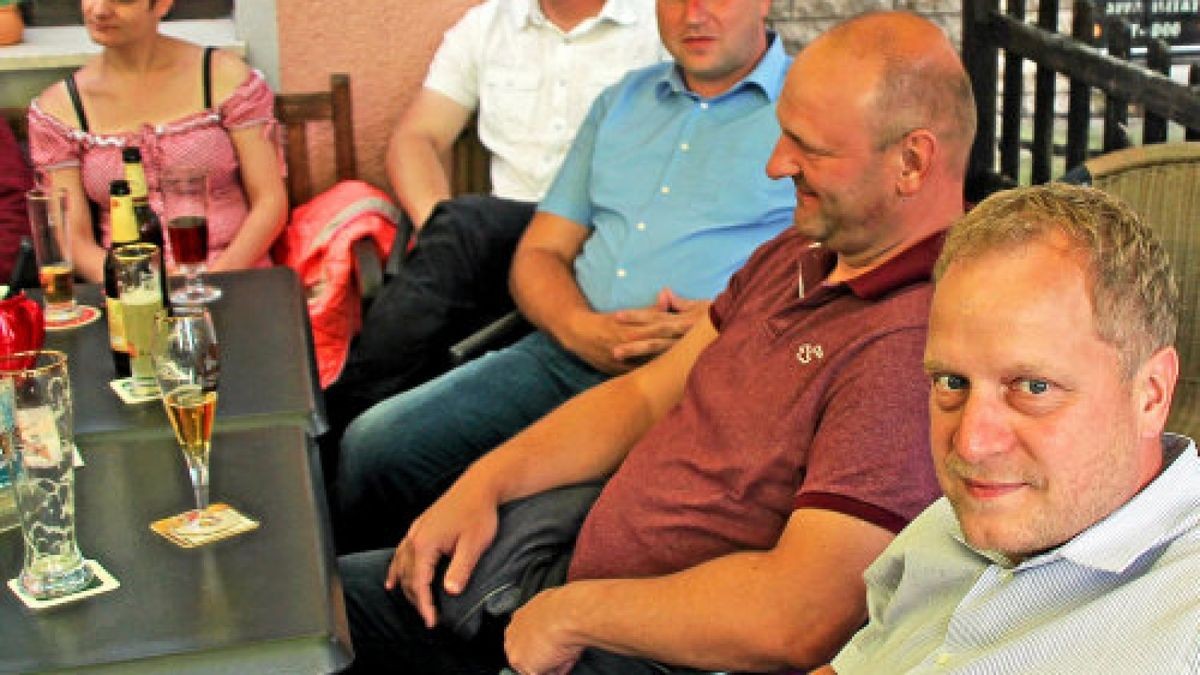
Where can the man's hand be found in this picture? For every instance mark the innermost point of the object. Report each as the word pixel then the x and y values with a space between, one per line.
pixel 537 639
pixel 619 341
pixel 461 525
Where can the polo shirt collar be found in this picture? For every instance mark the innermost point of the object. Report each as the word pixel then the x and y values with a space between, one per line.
pixel 766 76
pixel 529 12
pixel 912 265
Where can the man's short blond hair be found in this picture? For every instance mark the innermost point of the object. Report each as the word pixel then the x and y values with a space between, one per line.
pixel 1134 296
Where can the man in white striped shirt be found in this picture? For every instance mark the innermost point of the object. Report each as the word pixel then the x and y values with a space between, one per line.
pixel 1069 537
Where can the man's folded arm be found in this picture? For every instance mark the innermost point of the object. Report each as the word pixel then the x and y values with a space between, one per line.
pixel 417 151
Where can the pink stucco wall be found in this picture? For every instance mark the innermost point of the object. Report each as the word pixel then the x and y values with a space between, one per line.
pixel 385 46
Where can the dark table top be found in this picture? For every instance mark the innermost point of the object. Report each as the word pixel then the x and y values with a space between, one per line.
pixel 264 601
pixel 267 369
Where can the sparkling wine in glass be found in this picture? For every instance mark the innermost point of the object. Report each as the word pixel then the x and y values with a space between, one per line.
pixel 187 366
pixel 185 200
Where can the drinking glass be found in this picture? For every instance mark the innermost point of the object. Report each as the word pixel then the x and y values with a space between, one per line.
pixel 141 299
pixel 187 364
pixel 185 201
pixel 52 248
pixel 38 446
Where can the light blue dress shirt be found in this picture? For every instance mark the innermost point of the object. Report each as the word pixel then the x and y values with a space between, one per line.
pixel 673 185
pixel 1123 596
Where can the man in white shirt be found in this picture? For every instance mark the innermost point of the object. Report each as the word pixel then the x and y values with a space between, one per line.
pixel 528 70
pixel 1069 537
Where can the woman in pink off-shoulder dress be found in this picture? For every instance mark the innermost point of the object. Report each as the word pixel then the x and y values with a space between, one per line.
pixel 182 105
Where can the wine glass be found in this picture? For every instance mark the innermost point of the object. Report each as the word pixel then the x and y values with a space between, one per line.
pixel 187 364
pixel 185 201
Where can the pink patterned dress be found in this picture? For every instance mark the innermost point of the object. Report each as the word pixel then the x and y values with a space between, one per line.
pixel 200 140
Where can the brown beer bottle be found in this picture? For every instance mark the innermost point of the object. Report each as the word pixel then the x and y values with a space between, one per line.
pixel 124 232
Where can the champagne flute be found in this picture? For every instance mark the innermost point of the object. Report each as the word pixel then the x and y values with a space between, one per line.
pixel 187 364
pixel 185 200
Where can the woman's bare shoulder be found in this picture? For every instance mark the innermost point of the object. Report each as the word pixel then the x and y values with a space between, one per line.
pixel 56 102
pixel 229 71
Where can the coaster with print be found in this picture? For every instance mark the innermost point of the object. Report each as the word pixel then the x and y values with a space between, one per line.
pixel 102 582
pixel 86 315
pixel 124 389
pixel 233 523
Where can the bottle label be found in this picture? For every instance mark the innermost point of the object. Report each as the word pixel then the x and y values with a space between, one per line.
pixel 137 181
pixel 116 325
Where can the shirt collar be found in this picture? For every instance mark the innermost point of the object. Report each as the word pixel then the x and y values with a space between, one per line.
pixel 1163 509
pixel 767 76
pixel 529 12
pixel 912 265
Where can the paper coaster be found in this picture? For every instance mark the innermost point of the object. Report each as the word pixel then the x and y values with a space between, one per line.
pixel 124 389
pixel 102 582
pixel 238 523
pixel 86 315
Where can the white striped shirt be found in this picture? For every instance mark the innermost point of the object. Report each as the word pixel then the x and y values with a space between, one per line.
pixel 1123 596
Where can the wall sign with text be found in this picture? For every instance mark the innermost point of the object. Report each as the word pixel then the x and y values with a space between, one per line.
pixel 1175 21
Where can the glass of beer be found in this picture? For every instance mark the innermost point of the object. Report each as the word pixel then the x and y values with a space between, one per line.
pixel 187 364
pixel 52 248
pixel 141 299
pixel 185 200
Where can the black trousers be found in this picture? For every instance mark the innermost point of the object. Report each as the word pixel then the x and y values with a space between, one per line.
pixel 453 283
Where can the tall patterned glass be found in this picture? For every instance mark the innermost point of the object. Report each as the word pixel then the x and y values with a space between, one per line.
pixel 40 453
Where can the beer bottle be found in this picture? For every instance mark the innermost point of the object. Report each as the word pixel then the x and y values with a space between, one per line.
pixel 149 225
pixel 124 232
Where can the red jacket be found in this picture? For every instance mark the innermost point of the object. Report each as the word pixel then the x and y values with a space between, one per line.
pixel 317 244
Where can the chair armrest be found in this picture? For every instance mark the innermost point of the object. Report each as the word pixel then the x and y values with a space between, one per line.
pixel 499 332
pixel 368 267
pixel 400 245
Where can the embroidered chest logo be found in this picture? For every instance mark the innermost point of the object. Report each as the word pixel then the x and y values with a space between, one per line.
pixel 806 353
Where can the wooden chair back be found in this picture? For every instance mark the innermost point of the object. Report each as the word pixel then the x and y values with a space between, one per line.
pixel 295 112
pixel 470 169
pixel 1162 184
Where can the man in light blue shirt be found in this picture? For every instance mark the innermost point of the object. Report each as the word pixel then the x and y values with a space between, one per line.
pixel 661 197
pixel 1069 537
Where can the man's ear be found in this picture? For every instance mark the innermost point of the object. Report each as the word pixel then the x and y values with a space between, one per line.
pixel 1154 386
pixel 917 150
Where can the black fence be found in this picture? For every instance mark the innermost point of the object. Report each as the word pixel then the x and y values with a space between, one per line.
pixel 988 31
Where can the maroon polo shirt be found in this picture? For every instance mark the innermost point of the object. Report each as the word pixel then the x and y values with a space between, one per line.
pixel 817 402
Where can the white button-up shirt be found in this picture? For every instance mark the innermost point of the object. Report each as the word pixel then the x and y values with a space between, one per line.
pixel 532 84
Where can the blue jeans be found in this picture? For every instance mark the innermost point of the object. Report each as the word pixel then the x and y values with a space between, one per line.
pixel 400 455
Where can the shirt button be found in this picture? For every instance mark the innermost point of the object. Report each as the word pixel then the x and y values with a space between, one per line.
pixel 943 659
pixel 666 190
pixel 704 105
pixel 641 226
pixel 684 147
pixel 621 273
